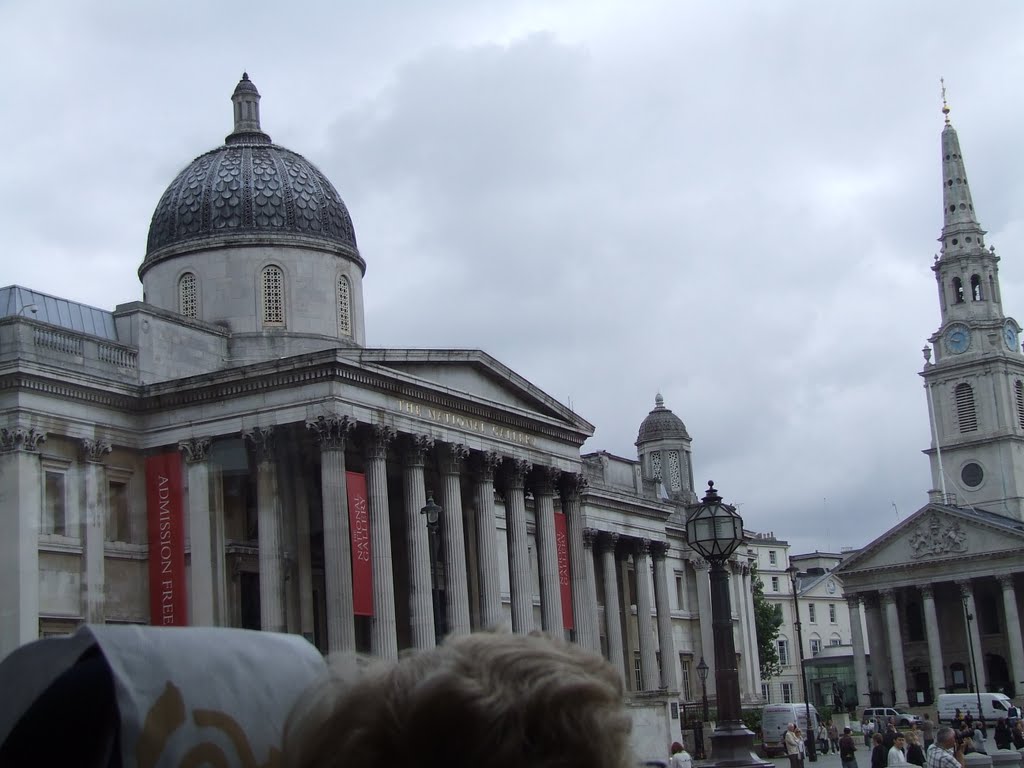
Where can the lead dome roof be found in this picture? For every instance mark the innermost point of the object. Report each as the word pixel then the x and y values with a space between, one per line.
pixel 661 424
pixel 250 191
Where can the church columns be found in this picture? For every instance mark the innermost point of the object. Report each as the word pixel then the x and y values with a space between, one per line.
pixel 1013 632
pixel 663 608
pixel 303 555
pixel 94 530
pixel 881 671
pixel 332 433
pixel 421 606
pixel 21 503
pixel 383 626
pixel 583 609
pixel 937 669
pixel 967 592
pixel 892 626
pixel 492 614
pixel 589 598
pixel 707 641
pixel 201 594
pixel 520 583
pixel 645 629
pixel 612 620
pixel 860 664
pixel 456 591
pixel 271 557
pixel 750 633
pixel 542 481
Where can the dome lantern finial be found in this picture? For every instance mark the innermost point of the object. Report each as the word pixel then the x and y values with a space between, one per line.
pixel 659 401
pixel 246 100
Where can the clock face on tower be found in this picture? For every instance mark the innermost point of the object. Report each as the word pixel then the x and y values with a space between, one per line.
pixel 1010 336
pixel 957 338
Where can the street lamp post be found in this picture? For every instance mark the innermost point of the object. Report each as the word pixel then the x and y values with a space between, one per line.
pixel 432 511
pixel 974 666
pixel 715 530
pixel 702 673
pixel 812 751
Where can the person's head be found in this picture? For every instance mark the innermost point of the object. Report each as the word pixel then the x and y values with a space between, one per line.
pixel 676 748
pixel 946 737
pixel 847 731
pixel 899 740
pixel 911 737
pixel 500 700
pixel 877 739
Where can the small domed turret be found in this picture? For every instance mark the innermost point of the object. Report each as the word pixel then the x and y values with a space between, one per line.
pixel 663 447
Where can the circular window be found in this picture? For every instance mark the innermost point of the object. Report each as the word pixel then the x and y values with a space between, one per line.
pixel 972 475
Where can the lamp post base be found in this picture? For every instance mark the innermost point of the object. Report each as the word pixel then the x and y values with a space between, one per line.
pixel 732 746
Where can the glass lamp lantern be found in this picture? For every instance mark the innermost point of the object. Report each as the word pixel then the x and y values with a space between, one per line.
pixel 714 529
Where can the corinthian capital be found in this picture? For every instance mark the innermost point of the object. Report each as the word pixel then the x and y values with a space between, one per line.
pixel 573 485
pixel 331 431
pixel 543 480
pixel 378 440
pixel 415 448
pixel 21 439
pixel 261 441
pixel 485 463
pixel 660 549
pixel 195 449
pixel 94 450
pixel 589 537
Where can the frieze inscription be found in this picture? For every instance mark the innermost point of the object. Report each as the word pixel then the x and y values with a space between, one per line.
pixel 936 536
pixel 465 423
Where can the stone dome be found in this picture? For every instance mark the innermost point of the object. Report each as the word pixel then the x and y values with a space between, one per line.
pixel 661 424
pixel 250 191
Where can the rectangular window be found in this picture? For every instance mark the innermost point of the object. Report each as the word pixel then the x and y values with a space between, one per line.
pixel 787 693
pixel 680 593
pixel 54 504
pixel 783 652
pixel 766 692
pixel 684 668
pixel 775 583
pixel 638 678
pixel 835 641
pixel 832 613
pixel 812 614
pixel 118 512
pixel 815 646
pixel 772 557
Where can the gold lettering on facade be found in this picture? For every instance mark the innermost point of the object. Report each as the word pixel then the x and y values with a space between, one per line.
pixel 465 423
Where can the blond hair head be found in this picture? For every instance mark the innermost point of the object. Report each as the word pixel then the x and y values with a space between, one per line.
pixel 500 700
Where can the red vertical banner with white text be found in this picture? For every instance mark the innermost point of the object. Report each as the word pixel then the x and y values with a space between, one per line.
pixel 168 602
pixel 359 533
pixel 562 547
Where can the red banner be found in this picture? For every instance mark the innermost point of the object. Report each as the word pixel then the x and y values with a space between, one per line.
pixel 359 533
pixel 168 602
pixel 562 545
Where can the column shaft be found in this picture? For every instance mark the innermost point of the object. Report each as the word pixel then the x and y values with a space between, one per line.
pixel 93 536
pixel 1013 632
pixel 520 581
pixel 454 541
pixel 707 633
pixel 612 619
pixel 645 628
pixel 271 565
pixel 582 613
pixel 218 544
pixel 751 632
pixel 663 607
pixel 736 603
pixel 860 661
pixel 303 555
pixel 974 635
pixel 899 671
pixel 421 607
pixel 383 627
pixel 333 432
pixel 492 614
pixel 543 482
pixel 932 631
pixel 588 598
pixel 201 593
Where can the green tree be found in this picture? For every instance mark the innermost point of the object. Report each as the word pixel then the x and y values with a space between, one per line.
pixel 767 620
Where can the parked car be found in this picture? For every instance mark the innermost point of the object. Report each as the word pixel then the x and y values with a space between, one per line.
pixel 903 719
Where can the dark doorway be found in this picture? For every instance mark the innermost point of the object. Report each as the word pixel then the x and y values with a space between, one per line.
pixel 249 585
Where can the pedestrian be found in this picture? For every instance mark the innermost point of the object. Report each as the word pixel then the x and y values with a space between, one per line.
pixel 1012 715
pixel 680 757
pixel 847 749
pixel 945 753
pixel 927 730
pixel 803 745
pixel 958 720
pixel 822 739
pixel 915 753
pixel 879 754
pixel 897 755
pixel 792 741
pixel 1018 735
pixel 979 735
pixel 833 735
pixel 1002 735
pixel 890 734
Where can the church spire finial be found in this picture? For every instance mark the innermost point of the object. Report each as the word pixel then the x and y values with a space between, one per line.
pixel 945 106
pixel 960 227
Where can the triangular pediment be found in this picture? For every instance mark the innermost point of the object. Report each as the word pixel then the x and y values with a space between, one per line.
pixel 938 533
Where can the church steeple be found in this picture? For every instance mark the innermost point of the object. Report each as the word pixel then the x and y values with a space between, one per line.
pixel 960 227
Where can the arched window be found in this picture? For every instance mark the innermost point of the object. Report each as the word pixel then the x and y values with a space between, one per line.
pixel 958 291
pixel 188 301
pixel 344 306
pixel 976 288
pixel 1018 392
pixel 966 414
pixel 273 296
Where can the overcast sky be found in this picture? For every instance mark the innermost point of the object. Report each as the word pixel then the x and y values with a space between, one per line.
pixel 733 203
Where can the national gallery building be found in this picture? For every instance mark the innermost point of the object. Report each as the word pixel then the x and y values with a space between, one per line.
pixel 229 452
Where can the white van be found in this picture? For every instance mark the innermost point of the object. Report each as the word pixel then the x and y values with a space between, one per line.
pixel 774 720
pixel 993 706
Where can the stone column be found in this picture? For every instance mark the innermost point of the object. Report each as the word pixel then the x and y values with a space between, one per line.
pixel 860 661
pixel 303 555
pixel 612 616
pixel 663 607
pixel 583 615
pixel 218 548
pixel 492 614
pixel 707 635
pixel 421 605
pixel 383 627
pixel 456 590
pixel 932 632
pixel 645 628
pixel 94 531
pixel 880 667
pixel 21 504
pixel 967 593
pixel 261 440
pixel 542 481
pixel 751 632
pixel 1013 633
pixel 899 670
pixel 201 594
pixel 737 602
pixel 520 582
pixel 332 433
pixel 589 597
